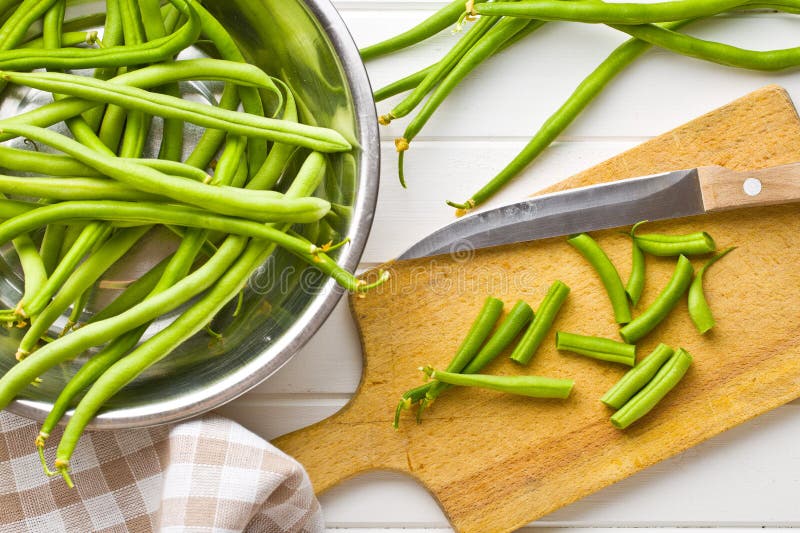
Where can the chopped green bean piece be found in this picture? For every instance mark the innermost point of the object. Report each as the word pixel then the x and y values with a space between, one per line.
pixel 637 377
pixel 542 322
pixel 597 348
pixel 699 310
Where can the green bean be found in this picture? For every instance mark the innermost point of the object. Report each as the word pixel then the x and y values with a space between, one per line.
pixel 154 75
pixel 114 56
pixel 33 268
pixel 699 310
pixel 671 245
pixel 73 189
pixel 173 168
pixel 443 18
pixel 660 308
pixel 647 398
pixel 270 171
pixel 592 252
pixel 77 308
pixel 51 245
pixel 597 348
pixel 452 57
pixel 153 24
pixel 533 386
pixel 68 39
pixel 261 205
pixel 637 377
pixel 489 44
pixel 724 54
pixel 229 161
pixel 316 138
pixel 137 123
pixel 590 87
pixel 51 164
pixel 12 208
pixel 112 36
pixel 78 282
pixel 402 85
pixel 598 12
pixel 635 285
pixel 542 322
pixel 478 332
pixel 506 332
pixel 90 235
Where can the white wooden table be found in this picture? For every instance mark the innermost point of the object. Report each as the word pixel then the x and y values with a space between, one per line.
pixel 748 477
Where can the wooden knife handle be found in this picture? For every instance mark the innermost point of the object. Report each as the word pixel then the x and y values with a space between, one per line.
pixel 725 189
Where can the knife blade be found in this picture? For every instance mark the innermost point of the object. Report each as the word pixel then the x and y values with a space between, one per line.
pixel 667 195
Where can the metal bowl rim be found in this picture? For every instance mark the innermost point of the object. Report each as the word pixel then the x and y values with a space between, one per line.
pixel 262 367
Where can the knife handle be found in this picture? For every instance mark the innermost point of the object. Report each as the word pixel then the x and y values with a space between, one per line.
pixel 725 189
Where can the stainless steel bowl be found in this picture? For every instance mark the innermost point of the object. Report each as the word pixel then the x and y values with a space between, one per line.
pixel 305 43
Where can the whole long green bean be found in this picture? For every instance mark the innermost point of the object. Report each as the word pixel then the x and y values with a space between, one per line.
pixel 64 188
pixel 724 54
pixel 598 12
pixel 313 137
pixel 146 213
pixel 590 87
pixel 261 205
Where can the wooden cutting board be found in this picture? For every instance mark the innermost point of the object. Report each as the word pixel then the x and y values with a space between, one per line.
pixel 496 462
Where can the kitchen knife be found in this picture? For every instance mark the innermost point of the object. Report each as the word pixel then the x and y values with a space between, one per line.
pixel 667 195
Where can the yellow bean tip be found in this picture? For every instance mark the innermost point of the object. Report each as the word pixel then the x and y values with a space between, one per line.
pixel 21 354
pixel 385 120
pixel 401 143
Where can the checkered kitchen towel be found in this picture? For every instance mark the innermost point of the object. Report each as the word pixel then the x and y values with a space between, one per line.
pixel 207 474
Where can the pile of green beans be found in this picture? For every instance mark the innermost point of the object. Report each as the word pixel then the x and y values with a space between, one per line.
pixel 500 24
pixel 75 214
pixel 641 388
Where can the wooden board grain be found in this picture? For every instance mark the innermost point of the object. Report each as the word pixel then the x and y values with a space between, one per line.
pixel 496 462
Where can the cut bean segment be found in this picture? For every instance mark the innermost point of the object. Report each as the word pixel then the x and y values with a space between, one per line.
pixel 595 255
pixel 664 381
pixel 597 348
pixel 519 316
pixel 542 322
pixel 672 245
pixel 533 386
pixel 637 377
pixel 635 285
pixel 664 303
pixel 699 310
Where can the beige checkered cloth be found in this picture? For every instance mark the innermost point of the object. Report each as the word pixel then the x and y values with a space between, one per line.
pixel 207 474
